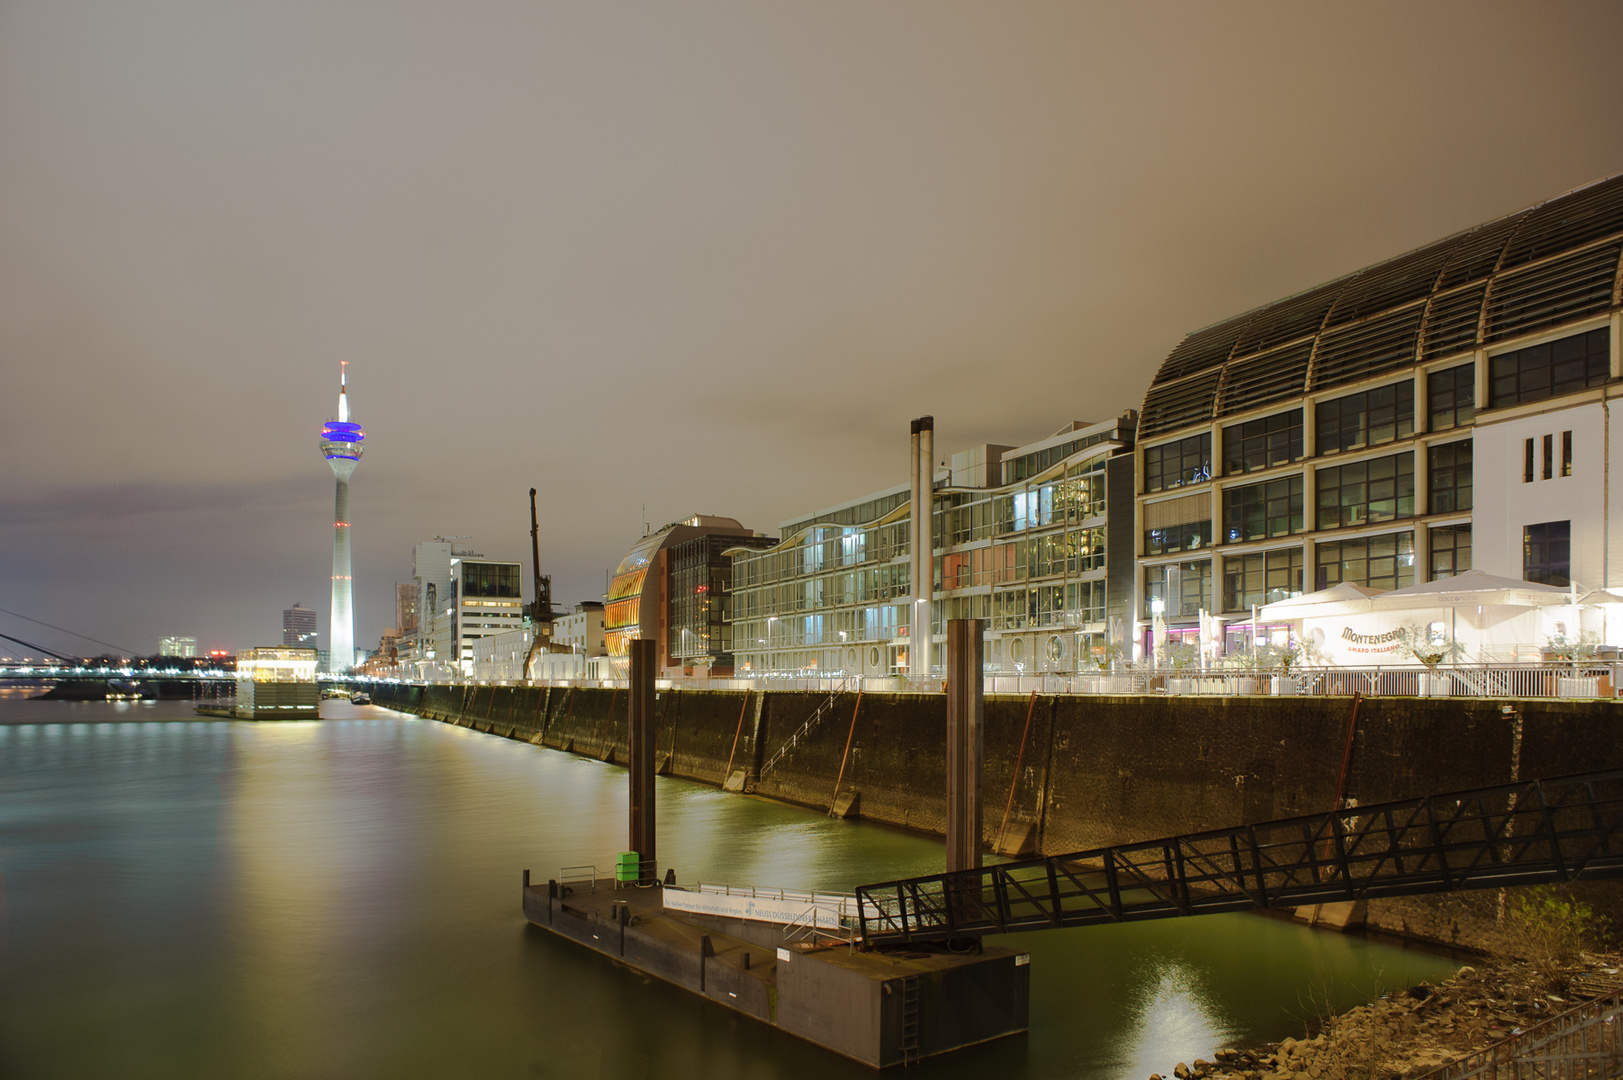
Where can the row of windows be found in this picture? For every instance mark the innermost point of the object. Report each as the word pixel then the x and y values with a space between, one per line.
pixel 1551 369
pixel 827 590
pixel 1065 604
pixel 1354 494
pixel 1266 577
pixel 1034 463
pixel 1370 418
pixel 1386 414
pixel 1548 444
pixel 1381 489
pixel 959 518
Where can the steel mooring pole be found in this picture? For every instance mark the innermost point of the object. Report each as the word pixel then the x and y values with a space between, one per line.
pixel 966 722
pixel 640 740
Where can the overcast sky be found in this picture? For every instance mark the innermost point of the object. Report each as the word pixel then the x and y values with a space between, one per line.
pixel 703 258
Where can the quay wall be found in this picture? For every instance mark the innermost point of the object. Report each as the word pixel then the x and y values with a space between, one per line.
pixel 1076 772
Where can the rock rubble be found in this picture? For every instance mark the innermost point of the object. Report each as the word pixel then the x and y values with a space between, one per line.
pixel 1411 1032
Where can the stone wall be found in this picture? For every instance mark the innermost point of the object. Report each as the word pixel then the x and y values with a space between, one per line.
pixel 1073 773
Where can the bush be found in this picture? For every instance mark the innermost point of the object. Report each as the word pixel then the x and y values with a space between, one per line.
pixel 1551 926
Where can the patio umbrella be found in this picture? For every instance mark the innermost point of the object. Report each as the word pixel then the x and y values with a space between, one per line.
pixel 1474 588
pixel 1343 599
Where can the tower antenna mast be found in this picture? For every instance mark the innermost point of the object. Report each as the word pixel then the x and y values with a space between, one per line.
pixel 341 445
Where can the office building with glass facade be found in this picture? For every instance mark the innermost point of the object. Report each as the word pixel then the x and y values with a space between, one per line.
pixel 671 588
pixel 1021 538
pixel 1390 427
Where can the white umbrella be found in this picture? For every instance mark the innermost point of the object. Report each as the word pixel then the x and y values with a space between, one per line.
pixel 1343 599
pixel 1473 588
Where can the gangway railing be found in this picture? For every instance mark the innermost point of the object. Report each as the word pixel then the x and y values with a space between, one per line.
pixel 1562 829
pixel 1583 1043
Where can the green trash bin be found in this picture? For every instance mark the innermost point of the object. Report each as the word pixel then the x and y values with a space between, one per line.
pixel 628 866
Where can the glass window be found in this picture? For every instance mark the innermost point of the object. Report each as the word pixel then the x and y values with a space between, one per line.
pixel 1371 418
pixel 495 580
pixel 1547 553
pixel 1086 601
pixel 1263 577
pixel 1450 551
pixel 1551 369
pixel 1191 537
pixel 1449 473
pixel 1381 489
pixel 1186 588
pixel 1259 511
pixel 1262 443
pixel 1172 465
pixel 1451 397
pixel 1379 562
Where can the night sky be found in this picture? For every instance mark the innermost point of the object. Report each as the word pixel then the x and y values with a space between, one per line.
pixel 693 257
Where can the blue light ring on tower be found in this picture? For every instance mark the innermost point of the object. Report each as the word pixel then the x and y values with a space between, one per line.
pixel 341 439
pixel 342 431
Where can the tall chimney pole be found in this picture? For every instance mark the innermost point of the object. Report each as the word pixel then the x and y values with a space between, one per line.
pixel 922 543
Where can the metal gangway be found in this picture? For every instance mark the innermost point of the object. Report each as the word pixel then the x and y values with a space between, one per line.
pixel 1564 829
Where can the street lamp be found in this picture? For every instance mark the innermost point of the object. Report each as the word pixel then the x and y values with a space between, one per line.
pixel 770 619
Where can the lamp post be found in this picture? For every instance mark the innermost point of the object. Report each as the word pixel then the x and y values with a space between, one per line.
pixel 770 667
pixel 1158 629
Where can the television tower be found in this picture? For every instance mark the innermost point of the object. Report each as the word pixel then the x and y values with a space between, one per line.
pixel 341 445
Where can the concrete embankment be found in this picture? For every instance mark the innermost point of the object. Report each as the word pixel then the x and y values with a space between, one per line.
pixel 1080 772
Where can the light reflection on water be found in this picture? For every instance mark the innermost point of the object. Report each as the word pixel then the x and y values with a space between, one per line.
pixel 341 899
pixel 1176 1018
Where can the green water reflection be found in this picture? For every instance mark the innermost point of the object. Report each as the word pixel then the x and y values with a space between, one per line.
pixel 340 899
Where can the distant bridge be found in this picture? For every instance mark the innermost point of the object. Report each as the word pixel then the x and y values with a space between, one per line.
pixel 1538 832
pixel 45 673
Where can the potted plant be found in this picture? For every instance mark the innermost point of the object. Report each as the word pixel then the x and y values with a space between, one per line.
pixel 1576 652
pixel 1431 649
pixel 1280 659
pixel 1181 658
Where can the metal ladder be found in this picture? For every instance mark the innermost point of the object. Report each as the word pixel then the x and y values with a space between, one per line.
pixel 910 1019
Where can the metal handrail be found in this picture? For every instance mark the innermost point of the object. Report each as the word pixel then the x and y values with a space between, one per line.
pixel 1562 829
pixel 572 875
pixel 1552 679
pixel 1583 1043
pixel 806 728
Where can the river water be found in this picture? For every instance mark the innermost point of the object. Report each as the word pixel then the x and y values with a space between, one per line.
pixel 185 897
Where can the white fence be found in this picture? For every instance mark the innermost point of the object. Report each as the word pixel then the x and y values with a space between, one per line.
pixel 1585 680
pixel 787 907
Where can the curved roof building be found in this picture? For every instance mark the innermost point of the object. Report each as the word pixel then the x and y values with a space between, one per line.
pixel 1443 410
pixel 640 594
pixel 1546 265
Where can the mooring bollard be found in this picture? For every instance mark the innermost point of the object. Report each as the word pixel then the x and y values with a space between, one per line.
pixel 966 721
pixel 640 737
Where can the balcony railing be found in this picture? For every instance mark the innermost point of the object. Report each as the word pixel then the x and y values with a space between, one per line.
pixel 1587 680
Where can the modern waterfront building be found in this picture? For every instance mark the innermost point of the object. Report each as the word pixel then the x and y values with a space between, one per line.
pixel 183 647
pixel 483 598
pixel 276 683
pixel 581 631
pixel 1020 537
pixel 670 588
pixel 500 657
pixel 298 627
pixel 341 445
pixel 1448 408
pixel 576 649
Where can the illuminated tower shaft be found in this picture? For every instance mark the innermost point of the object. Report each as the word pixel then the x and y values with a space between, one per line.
pixel 341 445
